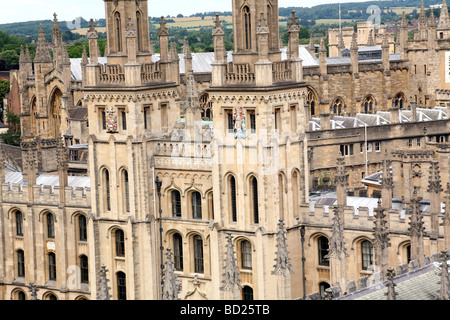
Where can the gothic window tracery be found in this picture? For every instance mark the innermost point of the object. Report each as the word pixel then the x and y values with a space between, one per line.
pixel 369 104
pixel 206 104
pixel 247 27
pixel 118 31
pixel 399 101
pixel 337 108
pixel 311 101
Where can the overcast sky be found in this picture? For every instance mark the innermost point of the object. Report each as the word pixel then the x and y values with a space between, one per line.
pixel 67 10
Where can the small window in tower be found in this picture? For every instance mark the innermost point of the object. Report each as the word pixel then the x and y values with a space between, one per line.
pixel 252 120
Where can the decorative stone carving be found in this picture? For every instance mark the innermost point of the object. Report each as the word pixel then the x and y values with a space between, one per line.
pixel 230 282
pixel 170 288
pixel 103 288
pixel 282 261
pixel 240 129
pixel 111 120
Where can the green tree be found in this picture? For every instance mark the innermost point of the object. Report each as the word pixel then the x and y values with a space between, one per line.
pixel 10 57
pixel 12 136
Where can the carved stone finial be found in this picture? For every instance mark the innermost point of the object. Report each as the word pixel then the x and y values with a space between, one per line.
pixel 434 180
pixel 293 25
pixel 34 290
pixel 337 245
pixel 170 288
pixel 230 280
pixel 391 294
pixel 282 261
pixel 103 287
pixel 444 290
pixel 163 30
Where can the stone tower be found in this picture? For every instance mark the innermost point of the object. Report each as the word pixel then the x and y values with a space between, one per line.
pixel 119 15
pixel 260 119
pixel 129 99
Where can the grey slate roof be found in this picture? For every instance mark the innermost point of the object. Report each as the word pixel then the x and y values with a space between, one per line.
pixel 48 180
pixel 420 284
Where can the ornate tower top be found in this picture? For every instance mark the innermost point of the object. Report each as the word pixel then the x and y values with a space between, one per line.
pixel 42 51
pixel 103 287
pixel 444 21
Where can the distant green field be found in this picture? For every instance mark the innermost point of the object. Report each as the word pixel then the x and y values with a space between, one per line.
pixel 332 21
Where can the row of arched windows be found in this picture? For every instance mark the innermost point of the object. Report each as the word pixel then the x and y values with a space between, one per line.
pixel 49 225
pixel 119 27
pixel 338 106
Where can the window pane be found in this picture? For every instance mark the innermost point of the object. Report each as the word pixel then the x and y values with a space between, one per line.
pixel 176 204
pixel 120 243
pixel 19 223
pixel 247 293
pixel 246 255
pixel 121 286
pixel 84 269
pixel 233 198
pixel 82 228
pixel 50 226
pixel 178 252
pixel 198 254
pixel 51 266
pixel 323 251
pixel 196 205
pixel 20 264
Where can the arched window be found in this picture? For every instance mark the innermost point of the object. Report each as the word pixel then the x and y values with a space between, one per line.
pixel 138 29
pixel 198 254
pixel 323 246
pixel 178 251
pixel 121 286
pixel 366 254
pixel 176 204
pixel 233 198
pixel 311 101
pixel 82 228
pixel 120 243
pixel 254 199
pixel 52 297
pixel 84 267
pixel 246 255
pixel 247 27
pixel 106 189
pixel 322 287
pixel 196 205
pixel 51 266
pixel 118 32
pixel 369 104
pixel 56 106
pixel 337 107
pixel 408 253
pixel 247 293
pixel 281 194
pixel 20 295
pixel 295 191
pixel 19 223
pixel 125 191
pixel 207 113
pixel 20 264
pixel 399 101
pixel 50 226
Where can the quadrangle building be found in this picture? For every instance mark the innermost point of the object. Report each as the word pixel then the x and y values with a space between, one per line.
pixel 190 175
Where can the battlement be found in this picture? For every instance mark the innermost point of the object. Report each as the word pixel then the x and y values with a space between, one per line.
pixel 358 218
pixel 46 194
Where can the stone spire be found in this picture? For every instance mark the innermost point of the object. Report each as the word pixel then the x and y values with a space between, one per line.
pixel 432 20
pixel 56 33
pixel 294 30
pixel 354 54
pixel 84 57
pixel 435 189
pixel 92 36
pixel 404 22
pixel 371 40
pixel 174 52
pixel 416 230
pixel 230 283
pixel 282 268
pixel 337 252
pixel 387 183
pixel 34 290
pixel 381 239
pixel 341 44
pixel 391 294
pixel 218 33
pixel 312 47
pixel 446 218
pixel 444 290
pixel 444 21
pixel 323 57
pixel 423 23
pixel 170 289
pixel 341 182
pixel 103 287
pixel 163 33
pixel 42 51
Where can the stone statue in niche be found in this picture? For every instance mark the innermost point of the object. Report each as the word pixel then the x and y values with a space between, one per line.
pixel 239 123
pixel 111 120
